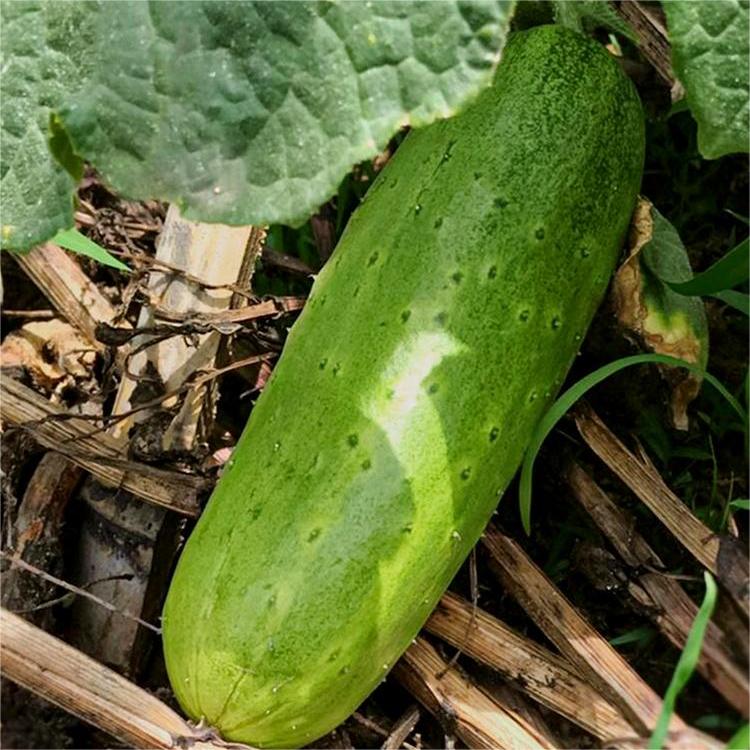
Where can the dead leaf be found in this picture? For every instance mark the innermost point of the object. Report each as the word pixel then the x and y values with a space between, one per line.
pixel 53 352
pixel 657 317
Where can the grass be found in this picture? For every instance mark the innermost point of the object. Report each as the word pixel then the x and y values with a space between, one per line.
pixel 73 240
pixel 686 663
pixel 564 402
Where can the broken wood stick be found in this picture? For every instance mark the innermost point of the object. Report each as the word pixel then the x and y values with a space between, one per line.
pixel 652 36
pixel 662 597
pixel 462 707
pixel 533 669
pixel 196 268
pixel 101 454
pixel 35 534
pixel 402 729
pixel 68 288
pixel 59 673
pixel 723 555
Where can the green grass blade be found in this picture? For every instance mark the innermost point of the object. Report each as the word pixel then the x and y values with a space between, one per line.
pixel 738 300
pixel 727 272
pixel 569 397
pixel 740 739
pixel 740 504
pixel 739 217
pixel 73 240
pixel 636 635
pixel 686 663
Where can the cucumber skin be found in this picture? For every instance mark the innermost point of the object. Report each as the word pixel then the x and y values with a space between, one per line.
pixel 432 343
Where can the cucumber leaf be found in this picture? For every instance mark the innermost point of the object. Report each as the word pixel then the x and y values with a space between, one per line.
pixel 43 62
pixel 710 47
pixel 243 112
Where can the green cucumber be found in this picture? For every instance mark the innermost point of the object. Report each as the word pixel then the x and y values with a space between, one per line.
pixel 432 343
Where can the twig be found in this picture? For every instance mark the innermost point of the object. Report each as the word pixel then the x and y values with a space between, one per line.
pixel 30 314
pixel 724 556
pixel 108 420
pixel 402 729
pixel 159 266
pixel 264 309
pixel 287 262
pixel 17 562
pixel 373 726
pixel 59 673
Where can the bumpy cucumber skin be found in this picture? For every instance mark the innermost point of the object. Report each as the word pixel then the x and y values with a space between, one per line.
pixel 432 343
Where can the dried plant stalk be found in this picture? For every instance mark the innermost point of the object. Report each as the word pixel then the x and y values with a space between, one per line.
pixel 533 669
pixel 68 288
pixel 661 596
pixel 724 556
pixel 463 708
pixel 652 36
pixel 591 654
pixel 59 673
pixel 99 454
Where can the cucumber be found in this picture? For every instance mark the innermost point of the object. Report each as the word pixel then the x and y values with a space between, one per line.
pixel 432 343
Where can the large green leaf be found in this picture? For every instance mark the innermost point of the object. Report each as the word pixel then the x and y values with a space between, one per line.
pixel 41 65
pixel 710 47
pixel 252 112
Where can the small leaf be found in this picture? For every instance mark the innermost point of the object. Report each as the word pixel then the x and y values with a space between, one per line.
pixel 710 47
pixel 686 663
pixel 642 634
pixel 740 504
pixel 73 240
